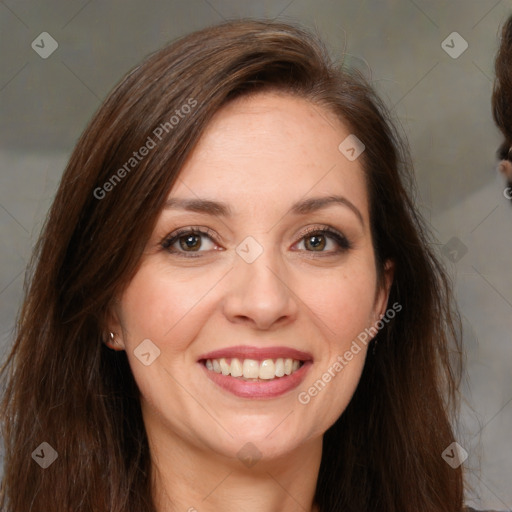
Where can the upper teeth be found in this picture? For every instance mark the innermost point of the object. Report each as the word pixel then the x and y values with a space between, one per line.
pixel 253 369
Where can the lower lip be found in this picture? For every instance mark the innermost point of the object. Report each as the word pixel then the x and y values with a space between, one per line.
pixel 259 389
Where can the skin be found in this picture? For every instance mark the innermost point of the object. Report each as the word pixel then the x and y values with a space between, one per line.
pixel 260 154
pixel 506 169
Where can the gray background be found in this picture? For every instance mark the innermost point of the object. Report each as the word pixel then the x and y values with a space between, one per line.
pixel 442 104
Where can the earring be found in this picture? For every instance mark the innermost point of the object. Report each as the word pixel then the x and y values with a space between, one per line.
pixel 110 339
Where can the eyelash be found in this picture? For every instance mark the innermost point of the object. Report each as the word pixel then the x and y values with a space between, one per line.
pixel 343 243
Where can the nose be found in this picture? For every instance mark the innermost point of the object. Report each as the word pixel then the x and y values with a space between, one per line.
pixel 258 293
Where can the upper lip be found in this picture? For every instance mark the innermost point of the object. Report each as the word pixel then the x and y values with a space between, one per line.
pixel 258 353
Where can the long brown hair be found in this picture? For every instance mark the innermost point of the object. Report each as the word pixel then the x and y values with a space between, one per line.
pixel 502 92
pixel 502 96
pixel 66 388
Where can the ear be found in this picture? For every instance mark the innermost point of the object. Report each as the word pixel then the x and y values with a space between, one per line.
pixel 382 294
pixel 505 168
pixel 113 337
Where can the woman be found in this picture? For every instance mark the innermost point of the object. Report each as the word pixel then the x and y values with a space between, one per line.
pixel 234 304
pixel 502 103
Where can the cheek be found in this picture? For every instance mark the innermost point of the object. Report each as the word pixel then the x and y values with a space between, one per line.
pixel 169 309
pixel 342 306
pixel 158 303
pixel 343 301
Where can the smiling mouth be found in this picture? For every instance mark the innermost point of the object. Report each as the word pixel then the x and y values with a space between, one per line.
pixel 253 369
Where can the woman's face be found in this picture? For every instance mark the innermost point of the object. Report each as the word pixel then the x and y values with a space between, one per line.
pixel 261 262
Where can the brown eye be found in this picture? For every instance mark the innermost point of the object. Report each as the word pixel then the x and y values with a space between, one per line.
pixel 323 240
pixel 190 242
pixel 315 242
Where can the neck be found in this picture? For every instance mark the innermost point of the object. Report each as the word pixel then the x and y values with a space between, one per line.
pixel 189 478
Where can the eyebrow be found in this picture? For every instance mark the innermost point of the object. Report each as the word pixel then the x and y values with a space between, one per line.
pixel 220 209
pixel 200 206
pixel 318 203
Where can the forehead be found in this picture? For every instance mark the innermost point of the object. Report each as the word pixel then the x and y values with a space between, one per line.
pixel 271 147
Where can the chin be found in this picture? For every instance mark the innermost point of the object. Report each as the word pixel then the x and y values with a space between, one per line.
pixel 266 443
